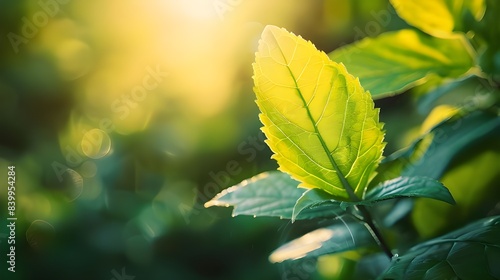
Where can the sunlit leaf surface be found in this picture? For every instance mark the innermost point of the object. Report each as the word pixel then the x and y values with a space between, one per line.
pixel 396 61
pixel 438 17
pixel 320 123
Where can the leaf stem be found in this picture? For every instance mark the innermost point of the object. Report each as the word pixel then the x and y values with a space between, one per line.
pixel 375 232
pixel 367 217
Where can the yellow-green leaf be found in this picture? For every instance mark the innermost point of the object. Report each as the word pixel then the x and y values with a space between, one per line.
pixel 438 17
pixel 320 123
pixel 396 61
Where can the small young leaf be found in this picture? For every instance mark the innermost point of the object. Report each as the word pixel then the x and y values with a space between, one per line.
pixel 320 123
pixel 314 198
pixel 269 194
pixel 472 252
pixel 340 237
pixel 396 61
pixel 439 17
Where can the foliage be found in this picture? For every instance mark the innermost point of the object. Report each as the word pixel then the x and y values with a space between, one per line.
pixel 467 253
pixel 321 124
pixel 411 55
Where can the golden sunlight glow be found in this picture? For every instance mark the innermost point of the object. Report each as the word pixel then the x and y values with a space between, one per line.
pixel 195 9
pixel 179 64
pixel 199 43
pixel 303 245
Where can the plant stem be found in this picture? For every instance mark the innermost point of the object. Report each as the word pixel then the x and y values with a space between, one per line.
pixel 376 234
pixel 367 217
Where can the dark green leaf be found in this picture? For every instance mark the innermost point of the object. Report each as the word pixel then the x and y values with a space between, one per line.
pixel 313 200
pixel 400 209
pixel 371 266
pixel 473 179
pixel 267 194
pixel 430 155
pixel 340 237
pixel 427 102
pixel 405 187
pixel 409 187
pixel 458 93
pixel 271 194
pixel 449 139
pixel 472 252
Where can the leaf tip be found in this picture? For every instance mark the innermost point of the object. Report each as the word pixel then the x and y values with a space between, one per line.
pixel 209 203
pixel 270 29
pixel 215 202
pixel 452 200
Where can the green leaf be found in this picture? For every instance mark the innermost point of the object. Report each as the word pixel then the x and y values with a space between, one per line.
pixel 430 155
pixel 401 187
pixel 396 61
pixel 472 252
pixel 371 266
pixel 427 102
pixel 439 17
pixel 404 187
pixel 449 139
pixel 463 154
pixel 340 237
pixel 269 194
pixel 398 211
pixel 320 123
pixel 473 180
pixel 316 199
pixel 408 187
pixel 475 91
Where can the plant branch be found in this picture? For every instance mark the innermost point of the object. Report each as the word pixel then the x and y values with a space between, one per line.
pixel 375 232
pixel 367 217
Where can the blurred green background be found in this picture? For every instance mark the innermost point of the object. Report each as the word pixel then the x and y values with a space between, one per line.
pixel 123 118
